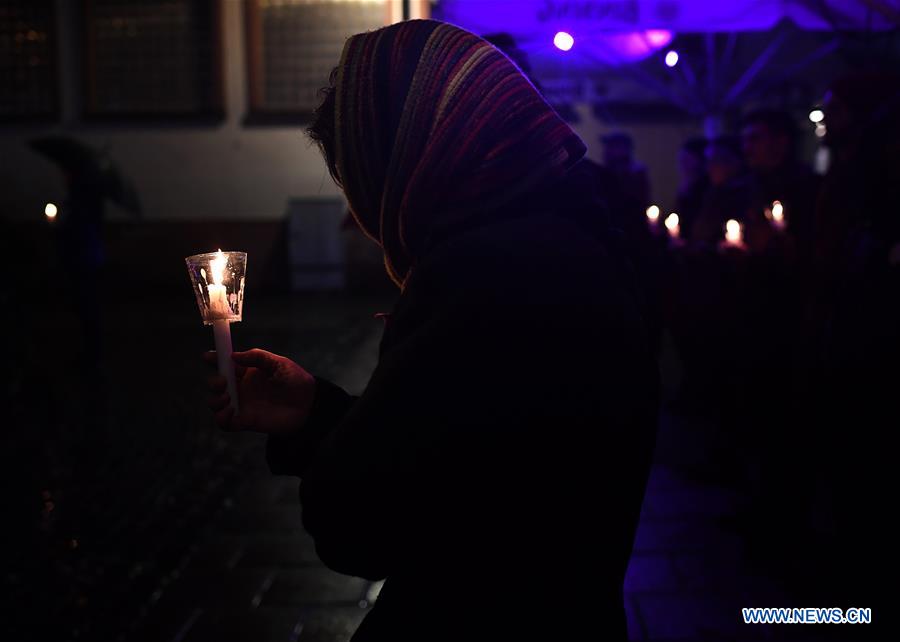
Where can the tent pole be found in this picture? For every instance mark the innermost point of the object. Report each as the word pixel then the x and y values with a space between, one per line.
pixel 753 70
pixel 800 65
pixel 711 71
pixel 728 54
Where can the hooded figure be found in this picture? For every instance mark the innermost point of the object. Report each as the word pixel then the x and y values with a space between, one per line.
pixel 492 471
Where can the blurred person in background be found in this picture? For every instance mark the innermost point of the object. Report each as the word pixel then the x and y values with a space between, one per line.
pixel 618 158
pixel 505 436
pixel 707 311
pixel 770 144
pixel 82 254
pixel 693 184
pixel 728 195
pixel 855 316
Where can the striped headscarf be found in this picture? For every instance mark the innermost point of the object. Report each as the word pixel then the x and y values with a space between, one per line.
pixel 434 126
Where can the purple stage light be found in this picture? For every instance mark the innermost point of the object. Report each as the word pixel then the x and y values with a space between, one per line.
pixel 658 37
pixel 563 41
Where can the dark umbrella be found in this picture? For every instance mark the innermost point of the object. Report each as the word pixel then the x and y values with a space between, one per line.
pixel 86 163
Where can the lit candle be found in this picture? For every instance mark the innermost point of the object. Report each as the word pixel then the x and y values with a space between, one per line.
pixel 220 313
pixel 50 211
pixel 734 234
pixel 653 216
pixel 218 282
pixel 218 295
pixel 778 215
pixel 672 225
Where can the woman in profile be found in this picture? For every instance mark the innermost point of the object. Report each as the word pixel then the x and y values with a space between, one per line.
pixel 494 466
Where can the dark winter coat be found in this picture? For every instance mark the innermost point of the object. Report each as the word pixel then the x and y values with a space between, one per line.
pixel 493 468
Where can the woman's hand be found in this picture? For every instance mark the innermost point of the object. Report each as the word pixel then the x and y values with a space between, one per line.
pixel 275 393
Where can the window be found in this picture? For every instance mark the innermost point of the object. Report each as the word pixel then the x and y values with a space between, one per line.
pixel 153 58
pixel 28 83
pixel 292 46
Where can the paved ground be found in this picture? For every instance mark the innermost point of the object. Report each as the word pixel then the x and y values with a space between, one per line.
pixel 164 530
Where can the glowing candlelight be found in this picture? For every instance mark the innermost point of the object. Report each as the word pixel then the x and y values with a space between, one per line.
pixel 734 234
pixel 653 216
pixel 778 215
pixel 672 225
pixel 218 280
pixel 50 211
pixel 218 297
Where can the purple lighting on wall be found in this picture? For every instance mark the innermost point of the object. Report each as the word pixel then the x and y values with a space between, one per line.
pixel 563 41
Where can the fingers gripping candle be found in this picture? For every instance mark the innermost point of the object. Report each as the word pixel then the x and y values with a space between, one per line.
pixel 218 280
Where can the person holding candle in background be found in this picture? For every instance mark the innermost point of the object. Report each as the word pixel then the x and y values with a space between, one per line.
pixel 707 310
pixel 776 235
pixel 77 225
pixel 516 369
pixel 850 374
pixel 769 143
pixel 728 195
pixel 618 158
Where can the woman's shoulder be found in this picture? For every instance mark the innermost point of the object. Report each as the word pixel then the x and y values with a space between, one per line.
pixel 538 254
pixel 526 232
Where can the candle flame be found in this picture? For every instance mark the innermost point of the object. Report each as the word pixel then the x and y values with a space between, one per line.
pixel 217 267
pixel 653 212
pixel 732 231
pixel 777 211
pixel 50 210
pixel 671 221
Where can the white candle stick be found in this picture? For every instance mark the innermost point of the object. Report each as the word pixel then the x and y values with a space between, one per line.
pixel 222 335
pixel 218 282
pixel 219 313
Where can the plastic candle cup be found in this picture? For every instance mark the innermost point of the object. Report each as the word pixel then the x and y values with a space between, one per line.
pixel 218 282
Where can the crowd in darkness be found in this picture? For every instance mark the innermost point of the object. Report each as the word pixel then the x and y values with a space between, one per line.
pixel 789 340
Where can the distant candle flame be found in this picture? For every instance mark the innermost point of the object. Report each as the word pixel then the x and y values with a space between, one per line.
pixel 733 231
pixel 777 211
pixel 217 267
pixel 653 213
pixel 50 210
pixel 672 221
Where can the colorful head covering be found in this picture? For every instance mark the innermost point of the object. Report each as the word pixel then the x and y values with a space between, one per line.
pixel 433 126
